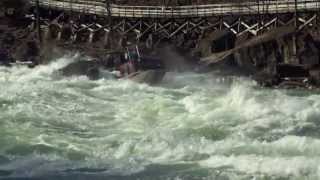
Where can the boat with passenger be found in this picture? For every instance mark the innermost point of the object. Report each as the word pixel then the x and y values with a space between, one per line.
pixel 129 64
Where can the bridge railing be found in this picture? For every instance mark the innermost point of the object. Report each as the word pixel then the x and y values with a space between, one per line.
pixel 99 7
pixel 215 9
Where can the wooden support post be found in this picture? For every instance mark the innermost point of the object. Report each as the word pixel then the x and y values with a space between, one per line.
pixel 38 21
pixel 91 35
pixel 47 33
pixel 74 37
pixel 106 39
pixel 59 35
pixel 32 26
pixel 123 26
pixel 221 24
pixel 259 14
pixel 294 38
pixel 149 42
pixel 138 37
pixel 74 27
pixel 109 12
pixel 296 14
pixel 294 50
pixel 239 24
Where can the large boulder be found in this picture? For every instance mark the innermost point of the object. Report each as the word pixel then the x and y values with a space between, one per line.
pixel 86 68
pixel 91 69
pixel 292 71
pixel 4 56
pixel 150 77
pixel 266 79
pixel 315 76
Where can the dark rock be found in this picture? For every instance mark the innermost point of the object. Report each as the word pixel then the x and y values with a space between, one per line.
pixel 315 76
pixel 150 77
pixel 292 84
pixel 4 56
pixel 266 79
pixel 93 73
pixel 293 71
pixel 78 68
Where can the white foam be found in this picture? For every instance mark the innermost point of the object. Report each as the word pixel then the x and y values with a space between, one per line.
pixel 133 125
pixel 287 167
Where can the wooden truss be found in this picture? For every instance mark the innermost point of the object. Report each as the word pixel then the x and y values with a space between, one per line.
pixel 189 27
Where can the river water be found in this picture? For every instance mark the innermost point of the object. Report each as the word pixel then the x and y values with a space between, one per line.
pixel 190 127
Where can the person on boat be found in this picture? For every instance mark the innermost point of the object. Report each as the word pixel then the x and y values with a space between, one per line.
pixel 129 62
pixel 133 59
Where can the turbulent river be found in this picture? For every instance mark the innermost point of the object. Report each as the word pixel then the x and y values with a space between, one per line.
pixel 190 127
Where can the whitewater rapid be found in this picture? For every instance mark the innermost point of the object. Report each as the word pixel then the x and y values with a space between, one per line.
pixel 191 126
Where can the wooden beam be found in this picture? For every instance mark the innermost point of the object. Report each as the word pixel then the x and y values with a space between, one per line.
pixel 307 22
pixel 177 30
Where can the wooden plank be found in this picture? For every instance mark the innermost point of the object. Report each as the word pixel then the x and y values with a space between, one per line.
pixel 98 7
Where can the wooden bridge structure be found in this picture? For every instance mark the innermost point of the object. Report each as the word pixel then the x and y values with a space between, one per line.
pixel 97 18
pixel 100 7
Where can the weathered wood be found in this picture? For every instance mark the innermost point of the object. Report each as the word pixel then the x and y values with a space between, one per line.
pixel 99 8
pixel 38 21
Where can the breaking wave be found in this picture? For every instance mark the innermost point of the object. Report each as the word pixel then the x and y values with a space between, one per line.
pixel 192 126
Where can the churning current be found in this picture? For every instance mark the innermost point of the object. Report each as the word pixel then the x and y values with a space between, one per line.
pixel 189 127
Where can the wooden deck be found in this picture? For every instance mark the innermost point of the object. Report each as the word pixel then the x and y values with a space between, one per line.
pixel 98 7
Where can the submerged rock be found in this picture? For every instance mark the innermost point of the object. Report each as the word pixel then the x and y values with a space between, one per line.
pixel 149 76
pixel 86 68
pixel 315 76
pixel 91 69
pixel 266 79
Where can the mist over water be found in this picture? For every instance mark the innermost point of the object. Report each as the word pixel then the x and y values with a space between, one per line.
pixel 192 126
